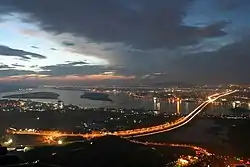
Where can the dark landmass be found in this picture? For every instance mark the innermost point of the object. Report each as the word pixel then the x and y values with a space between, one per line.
pixel 35 95
pixel 70 88
pixel 96 96
pixel 109 151
pixel 238 136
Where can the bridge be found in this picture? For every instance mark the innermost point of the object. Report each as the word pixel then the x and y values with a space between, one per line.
pixel 133 132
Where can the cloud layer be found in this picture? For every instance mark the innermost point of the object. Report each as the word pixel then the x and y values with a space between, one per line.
pixel 146 39
pixel 142 24
pixel 227 65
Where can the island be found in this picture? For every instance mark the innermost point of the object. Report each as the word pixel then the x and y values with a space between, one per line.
pixel 34 95
pixel 96 96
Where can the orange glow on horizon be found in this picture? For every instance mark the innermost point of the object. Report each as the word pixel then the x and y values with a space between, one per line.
pixel 95 77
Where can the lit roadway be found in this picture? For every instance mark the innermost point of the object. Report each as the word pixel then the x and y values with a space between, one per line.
pixel 133 132
pixel 196 148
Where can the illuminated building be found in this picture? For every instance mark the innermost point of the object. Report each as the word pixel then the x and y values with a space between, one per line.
pixel 182 162
pixel 238 103
pixel 22 103
pixel 234 104
pixel 60 104
pixel 157 104
pixel 155 100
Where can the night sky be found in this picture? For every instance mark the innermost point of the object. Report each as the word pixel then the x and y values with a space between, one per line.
pixel 125 41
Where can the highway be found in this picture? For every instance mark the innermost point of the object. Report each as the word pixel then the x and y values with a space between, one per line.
pixel 183 121
pixel 133 132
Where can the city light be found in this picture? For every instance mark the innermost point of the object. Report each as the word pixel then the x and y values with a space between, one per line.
pixel 9 142
pixel 60 142
pixel 134 132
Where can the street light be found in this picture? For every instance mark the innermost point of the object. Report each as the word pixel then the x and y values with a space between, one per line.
pixel 60 142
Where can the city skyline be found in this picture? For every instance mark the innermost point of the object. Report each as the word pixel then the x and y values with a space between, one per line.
pixel 124 42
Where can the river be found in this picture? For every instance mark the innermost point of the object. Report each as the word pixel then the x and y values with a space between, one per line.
pixel 119 101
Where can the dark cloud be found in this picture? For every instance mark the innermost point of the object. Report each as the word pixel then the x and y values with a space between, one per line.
pixel 230 64
pixel 73 68
pixel 214 29
pixel 66 43
pixel 83 68
pixel 7 51
pixel 144 38
pixel 23 59
pixel 141 24
pixel 4 66
pixel 232 4
pixel 17 65
pixel 35 47
pixel 227 65
pixel 34 66
pixel 75 63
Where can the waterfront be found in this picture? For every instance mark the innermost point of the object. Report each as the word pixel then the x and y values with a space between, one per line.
pixel 120 100
pixel 99 119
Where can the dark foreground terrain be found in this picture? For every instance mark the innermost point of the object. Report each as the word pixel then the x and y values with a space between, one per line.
pixel 107 151
pixel 220 136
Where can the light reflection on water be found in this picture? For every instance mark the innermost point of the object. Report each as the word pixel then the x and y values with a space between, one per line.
pixel 119 101
pixel 178 107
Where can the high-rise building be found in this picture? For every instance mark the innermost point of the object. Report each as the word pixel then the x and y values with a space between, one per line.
pixel 155 100
pixel 157 104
